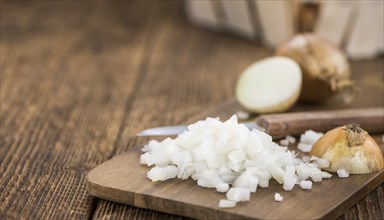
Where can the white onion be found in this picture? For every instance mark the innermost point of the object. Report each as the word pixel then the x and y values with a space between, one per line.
pixel 288 140
pixel 316 175
pixel 162 173
pixel 242 115
pixel 325 175
pixel 269 85
pixel 322 163
pixel 289 182
pixel 304 147
pixel 222 187
pixel 230 158
pixel 278 197
pixel 310 137
pixel 225 203
pixel 152 144
pixel 342 173
pixel 284 142
pixel 238 194
pixel 247 180
pixel 306 184
pixel 291 139
pixel 303 171
pixel 145 158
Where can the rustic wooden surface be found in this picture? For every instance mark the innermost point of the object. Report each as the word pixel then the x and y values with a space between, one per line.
pixel 79 79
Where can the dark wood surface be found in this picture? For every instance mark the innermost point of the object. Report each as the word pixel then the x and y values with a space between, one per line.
pixel 80 78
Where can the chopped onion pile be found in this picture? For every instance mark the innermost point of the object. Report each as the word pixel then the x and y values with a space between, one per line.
pixel 232 159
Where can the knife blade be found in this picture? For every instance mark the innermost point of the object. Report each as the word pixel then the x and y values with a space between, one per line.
pixel 295 123
pixel 178 129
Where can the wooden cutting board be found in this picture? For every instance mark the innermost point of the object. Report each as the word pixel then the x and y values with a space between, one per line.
pixel 122 179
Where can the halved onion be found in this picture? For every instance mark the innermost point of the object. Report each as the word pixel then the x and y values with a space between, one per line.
pixel 269 85
pixel 351 148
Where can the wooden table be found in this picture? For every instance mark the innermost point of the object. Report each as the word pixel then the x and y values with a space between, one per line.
pixel 79 79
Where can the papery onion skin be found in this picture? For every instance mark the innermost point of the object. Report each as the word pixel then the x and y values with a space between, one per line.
pixel 351 148
pixel 325 68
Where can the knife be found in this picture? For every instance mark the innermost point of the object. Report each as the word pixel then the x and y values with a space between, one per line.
pixel 295 123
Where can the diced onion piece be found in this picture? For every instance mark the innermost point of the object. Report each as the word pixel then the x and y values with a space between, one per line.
pixel 238 194
pixel 225 203
pixel 316 175
pixel 306 184
pixel 247 180
pixel 288 140
pixel 145 158
pixel 284 142
pixel 263 183
pixel 242 115
pixel 290 170
pixel 222 187
pixel 278 197
pixel 291 139
pixel 325 175
pixel 310 137
pixel 289 182
pixel 342 173
pixel 323 163
pixel 277 173
pixel 303 171
pixel 162 173
pixel 152 144
pixel 304 147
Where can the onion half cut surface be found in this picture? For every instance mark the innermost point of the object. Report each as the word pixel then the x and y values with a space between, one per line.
pixel 269 85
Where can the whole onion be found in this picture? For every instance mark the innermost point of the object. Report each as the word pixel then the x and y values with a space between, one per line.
pixel 325 68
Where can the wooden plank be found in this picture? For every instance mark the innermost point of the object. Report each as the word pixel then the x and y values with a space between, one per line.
pixel 122 179
pixel 64 86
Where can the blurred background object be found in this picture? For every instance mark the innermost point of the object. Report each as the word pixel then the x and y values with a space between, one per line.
pixel 355 26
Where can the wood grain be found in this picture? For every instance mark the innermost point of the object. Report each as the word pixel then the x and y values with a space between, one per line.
pixel 63 93
pixel 78 80
pixel 122 179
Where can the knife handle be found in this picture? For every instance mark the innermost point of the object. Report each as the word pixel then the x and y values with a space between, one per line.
pixel 296 123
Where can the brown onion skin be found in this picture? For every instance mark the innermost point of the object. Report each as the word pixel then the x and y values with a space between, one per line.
pixel 323 65
pixel 375 153
pixel 338 136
